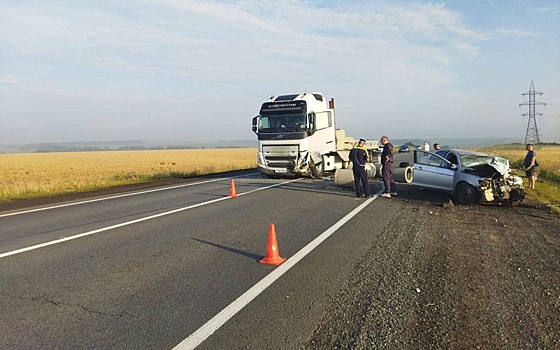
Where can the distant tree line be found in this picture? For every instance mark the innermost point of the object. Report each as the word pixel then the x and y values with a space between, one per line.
pixel 57 148
pixel 540 143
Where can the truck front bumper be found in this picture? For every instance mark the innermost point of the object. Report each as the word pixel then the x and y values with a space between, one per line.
pixel 282 165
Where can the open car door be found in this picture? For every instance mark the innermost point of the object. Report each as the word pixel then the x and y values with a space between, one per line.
pixel 433 171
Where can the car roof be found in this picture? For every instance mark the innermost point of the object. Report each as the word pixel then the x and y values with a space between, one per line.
pixel 465 152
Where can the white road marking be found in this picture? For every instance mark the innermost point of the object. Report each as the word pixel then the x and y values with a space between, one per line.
pixel 200 335
pixel 89 233
pixel 118 196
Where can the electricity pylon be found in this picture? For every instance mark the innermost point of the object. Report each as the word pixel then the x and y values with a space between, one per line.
pixel 532 135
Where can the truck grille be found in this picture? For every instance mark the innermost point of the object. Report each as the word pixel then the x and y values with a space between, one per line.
pixel 280 150
pixel 281 156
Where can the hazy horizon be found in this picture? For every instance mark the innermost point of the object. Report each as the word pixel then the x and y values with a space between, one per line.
pixel 70 146
pixel 199 70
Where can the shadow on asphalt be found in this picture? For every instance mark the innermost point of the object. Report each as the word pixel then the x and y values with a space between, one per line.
pixel 230 249
pixel 405 191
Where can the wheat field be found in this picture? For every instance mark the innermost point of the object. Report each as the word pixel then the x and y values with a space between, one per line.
pixel 548 157
pixel 32 175
pixel 547 191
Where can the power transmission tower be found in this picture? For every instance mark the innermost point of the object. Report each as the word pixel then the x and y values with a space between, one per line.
pixel 532 135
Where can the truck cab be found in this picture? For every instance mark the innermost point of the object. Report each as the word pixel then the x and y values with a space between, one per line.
pixel 295 133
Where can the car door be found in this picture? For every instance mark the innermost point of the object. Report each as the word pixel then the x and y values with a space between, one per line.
pixel 433 171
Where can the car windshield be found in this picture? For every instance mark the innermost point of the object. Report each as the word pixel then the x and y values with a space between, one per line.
pixel 475 159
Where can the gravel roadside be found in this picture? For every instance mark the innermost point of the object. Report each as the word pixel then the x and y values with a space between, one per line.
pixel 452 277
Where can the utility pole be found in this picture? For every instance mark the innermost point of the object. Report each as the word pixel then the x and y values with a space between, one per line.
pixel 532 135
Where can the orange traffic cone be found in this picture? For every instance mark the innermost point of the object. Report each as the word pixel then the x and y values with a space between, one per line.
pixel 232 189
pixel 272 255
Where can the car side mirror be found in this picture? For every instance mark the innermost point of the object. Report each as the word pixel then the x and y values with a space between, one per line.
pixel 454 166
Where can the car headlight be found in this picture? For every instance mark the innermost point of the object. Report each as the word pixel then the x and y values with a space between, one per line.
pixel 517 180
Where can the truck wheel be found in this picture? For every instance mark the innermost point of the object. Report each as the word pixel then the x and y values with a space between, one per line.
pixel 465 193
pixel 317 170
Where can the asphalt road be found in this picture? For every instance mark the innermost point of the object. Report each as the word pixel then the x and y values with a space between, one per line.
pixel 144 271
pixel 152 269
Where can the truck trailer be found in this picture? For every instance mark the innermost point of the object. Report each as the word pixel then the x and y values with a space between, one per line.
pixel 297 136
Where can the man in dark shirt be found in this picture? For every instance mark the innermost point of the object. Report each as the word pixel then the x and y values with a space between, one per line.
pixel 388 167
pixel 529 164
pixel 359 157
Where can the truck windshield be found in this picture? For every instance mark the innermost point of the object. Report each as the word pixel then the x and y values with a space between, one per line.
pixel 281 122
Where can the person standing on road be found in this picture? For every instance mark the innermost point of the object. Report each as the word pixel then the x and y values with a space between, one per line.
pixel 529 164
pixel 426 146
pixel 359 157
pixel 388 167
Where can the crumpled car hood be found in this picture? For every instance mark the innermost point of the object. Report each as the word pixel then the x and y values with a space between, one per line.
pixel 498 164
pixel 496 183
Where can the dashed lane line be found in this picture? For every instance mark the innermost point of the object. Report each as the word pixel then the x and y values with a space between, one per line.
pixel 103 229
pixel 200 335
pixel 118 196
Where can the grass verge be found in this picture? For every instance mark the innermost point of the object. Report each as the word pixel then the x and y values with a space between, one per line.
pixel 547 191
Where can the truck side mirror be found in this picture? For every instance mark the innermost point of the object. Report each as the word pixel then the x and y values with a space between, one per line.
pixel 254 126
pixel 311 123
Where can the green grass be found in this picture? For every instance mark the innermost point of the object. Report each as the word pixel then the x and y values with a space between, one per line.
pixel 547 191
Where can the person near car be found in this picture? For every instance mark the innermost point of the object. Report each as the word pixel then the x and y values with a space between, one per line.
pixel 529 164
pixel 359 157
pixel 426 146
pixel 436 147
pixel 387 170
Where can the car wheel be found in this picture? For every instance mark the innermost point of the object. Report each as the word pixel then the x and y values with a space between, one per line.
pixel 465 193
pixel 516 196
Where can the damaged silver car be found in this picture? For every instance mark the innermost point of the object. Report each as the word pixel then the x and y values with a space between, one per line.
pixel 468 176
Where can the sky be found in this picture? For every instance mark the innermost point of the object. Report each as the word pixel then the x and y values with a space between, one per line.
pixel 198 71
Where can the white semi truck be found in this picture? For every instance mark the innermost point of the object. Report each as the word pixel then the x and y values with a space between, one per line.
pixel 297 136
